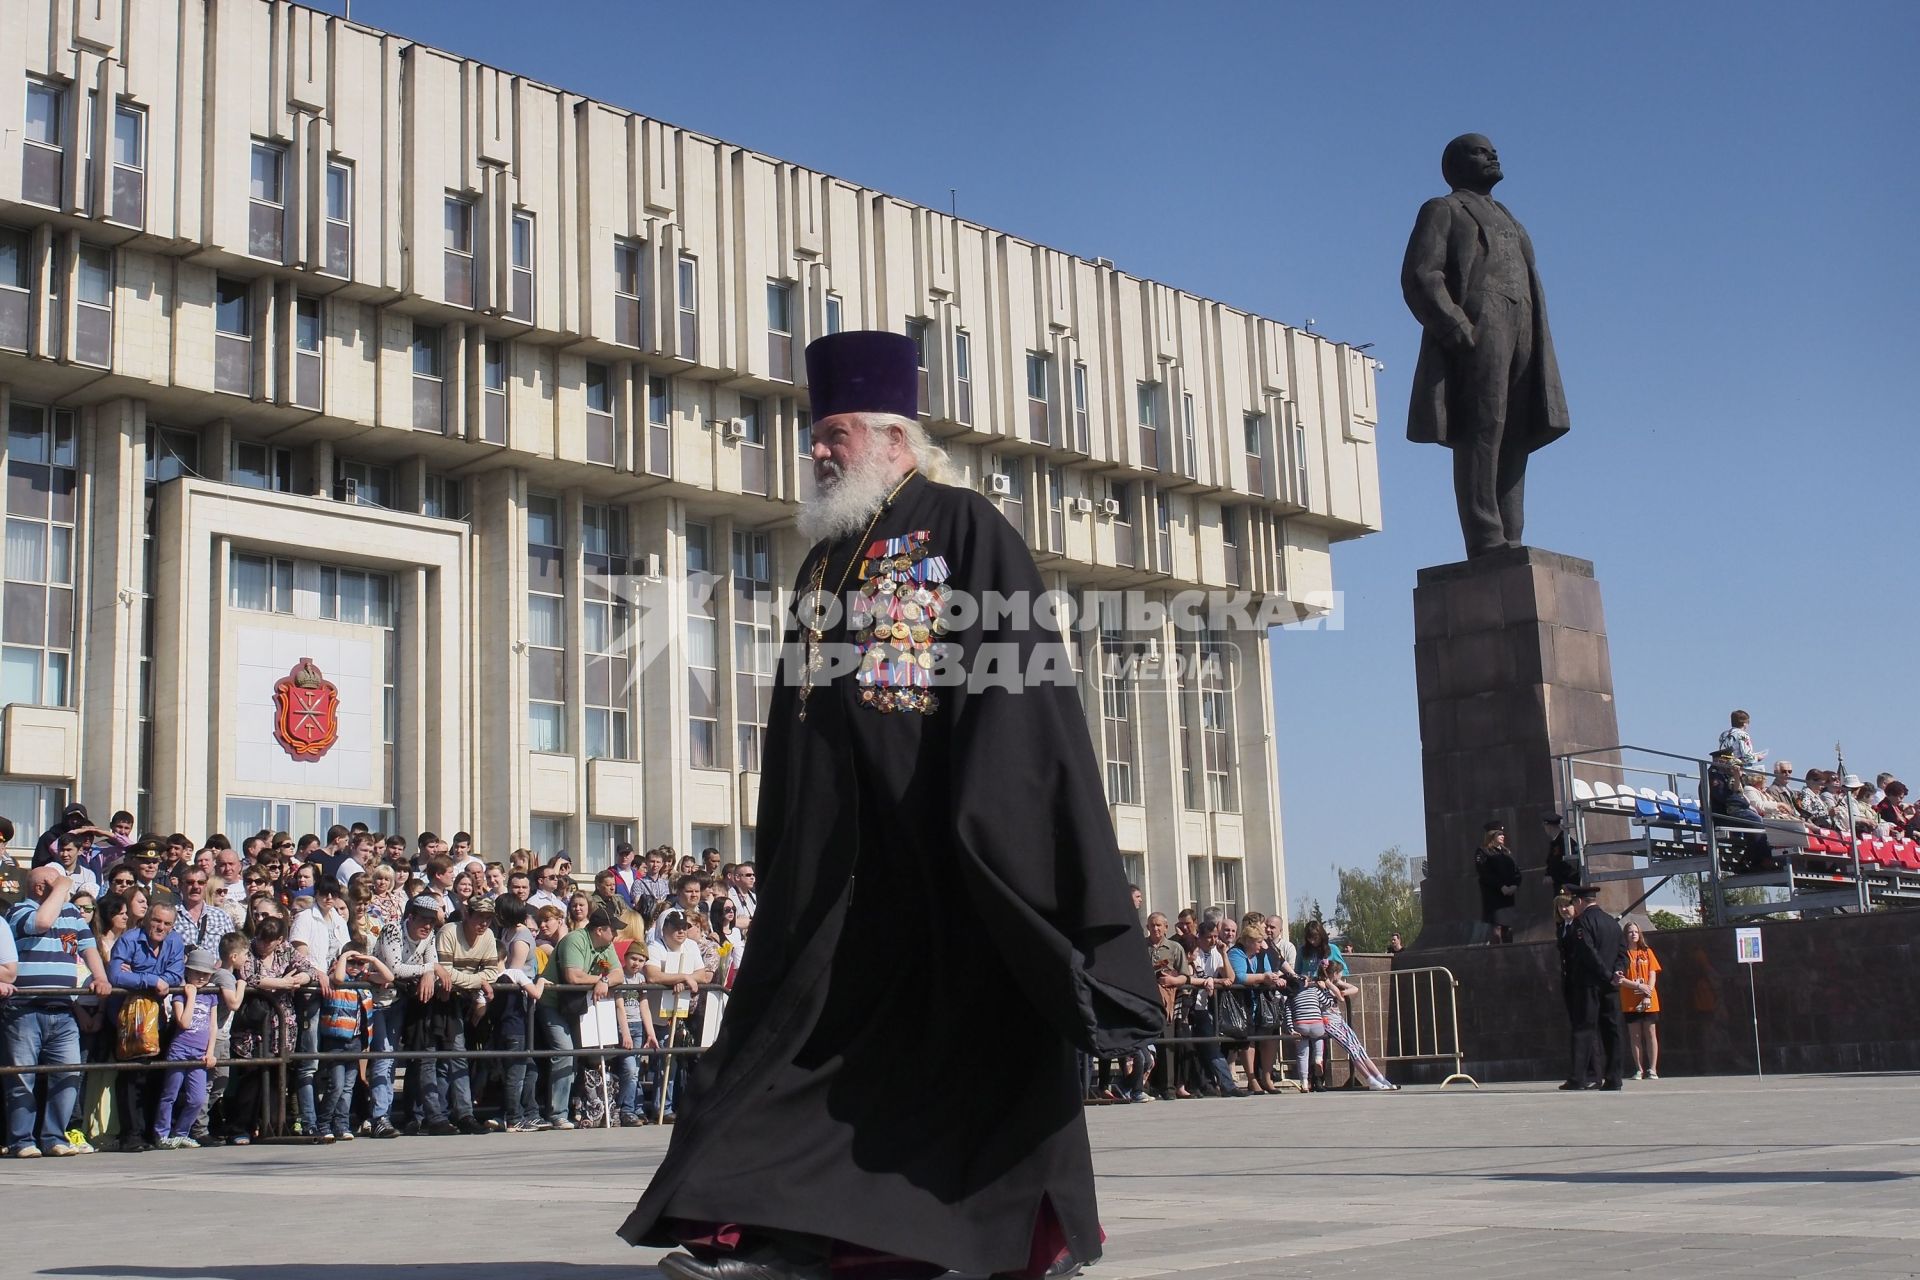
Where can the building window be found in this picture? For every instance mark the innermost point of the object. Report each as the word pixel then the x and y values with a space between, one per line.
pixel 36 611
pixel 429 377
pixel 603 536
pixel 43 161
pixel 601 445
pixel 1013 501
pixel 754 645
pixel 1226 885
pixel 459 265
pixel 1082 416
pixel 493 388
pixel 688 302
pixel 261 466
pixel 753 446
pixel 170 455
pixel 339 219
pixel 35 808
pixel 443 497
pixel 1120 494
pixel 128 195
pixel 834 311
pixel 306 352
pixel 16 287
pixel 629 300
pixel 1163 530
pixel 1253 427
pixel 1186 694
pixel 1147 401
pixel 1216 722
pixel 1189 435
pixel 363 483
pixel 804 485
pixel 659 426
pixel 546 626
pixel 703 656
pixel 917 330
pixel 1231 519
pixel 1118 709
pixel 233 336
pixel 520 269
pixel 779 331
pixel 262 584
pixel 1056 508
pixel 546 835
pixel 267 203
pixel 602 839
pixel 1039 390
pixel 1302 490
pixel 962 377
pixel 93 307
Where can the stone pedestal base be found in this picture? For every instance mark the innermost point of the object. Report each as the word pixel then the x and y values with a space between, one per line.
pixel 1511 664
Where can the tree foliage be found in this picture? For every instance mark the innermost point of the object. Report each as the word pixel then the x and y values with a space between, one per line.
pixel 1375 905
pixel 1664 920
pixel 1304 910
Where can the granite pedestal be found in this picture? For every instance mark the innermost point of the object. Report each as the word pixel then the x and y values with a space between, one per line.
pixel 1511 665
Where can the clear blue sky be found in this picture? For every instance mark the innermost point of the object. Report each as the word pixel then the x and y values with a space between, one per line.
pixel 1725 200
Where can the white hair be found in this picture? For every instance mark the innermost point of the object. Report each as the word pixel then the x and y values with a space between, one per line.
pixel 930 458
pixel 848 500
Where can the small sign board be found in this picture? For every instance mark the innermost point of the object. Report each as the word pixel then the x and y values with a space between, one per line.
pixel 1746 945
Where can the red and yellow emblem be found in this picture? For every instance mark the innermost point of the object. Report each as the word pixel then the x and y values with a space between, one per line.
pixel 306 711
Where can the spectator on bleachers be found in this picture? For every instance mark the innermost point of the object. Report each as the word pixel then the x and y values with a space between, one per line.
pixel 1880 782
pixel 1782 791
pixel 1737 742
pixel 1727 798
pixel 1866 813
pixel 1811 801
pixel 1901 817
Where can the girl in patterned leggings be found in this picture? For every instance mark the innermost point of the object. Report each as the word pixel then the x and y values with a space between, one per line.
pixel 1333 987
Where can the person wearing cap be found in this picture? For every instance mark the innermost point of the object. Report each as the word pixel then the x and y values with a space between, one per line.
pixel 409 948
pixel 1563 854
pixel 73 819
pixel 939 755
pixel 145 857
pixel 183 1089
pixel 471 953
pixel 1499 877
pixel 1599 962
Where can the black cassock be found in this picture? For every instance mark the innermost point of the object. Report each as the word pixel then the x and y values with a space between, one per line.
pixel 943 920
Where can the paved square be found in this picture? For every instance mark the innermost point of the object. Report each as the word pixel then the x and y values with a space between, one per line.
pixel 1798 1176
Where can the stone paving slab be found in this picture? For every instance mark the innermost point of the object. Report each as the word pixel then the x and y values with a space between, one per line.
pixel 1794 1176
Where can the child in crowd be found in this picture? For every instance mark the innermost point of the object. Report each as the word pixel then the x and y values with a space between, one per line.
pixel 640 1031
pixel 346 1015
pixel 1334 987
pixel 183 1092
pixel 1310 1026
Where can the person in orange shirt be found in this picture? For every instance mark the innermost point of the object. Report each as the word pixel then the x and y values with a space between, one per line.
pixel 1640 1002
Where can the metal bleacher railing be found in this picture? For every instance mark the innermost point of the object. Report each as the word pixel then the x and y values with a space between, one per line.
pixel 1664 801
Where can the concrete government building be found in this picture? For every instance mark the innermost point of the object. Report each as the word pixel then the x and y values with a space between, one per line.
pixel 316 342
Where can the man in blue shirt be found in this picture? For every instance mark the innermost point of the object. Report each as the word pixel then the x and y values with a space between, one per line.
pixel 37 1027
pixel 148 961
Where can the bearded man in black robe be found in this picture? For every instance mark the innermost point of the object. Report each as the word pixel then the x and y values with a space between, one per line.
pixel 943 916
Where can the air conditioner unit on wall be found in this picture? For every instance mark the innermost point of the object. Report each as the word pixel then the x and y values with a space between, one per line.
pixel 999 486
pixel 1110 508
pixel 736 429
pixel 1083 505
pixel 652 566
pixel 349 490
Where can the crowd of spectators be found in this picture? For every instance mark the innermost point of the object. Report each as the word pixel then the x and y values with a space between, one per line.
pixel 209 964
pixel 1233 992
pixel 1745 788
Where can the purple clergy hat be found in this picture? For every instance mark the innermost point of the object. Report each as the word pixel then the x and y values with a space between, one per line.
pixel 863 371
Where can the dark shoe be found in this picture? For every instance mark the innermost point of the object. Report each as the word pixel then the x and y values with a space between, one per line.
pixel 383 1128
pixel 1063 1267
pixel 1573 1084
pixel 135 1146
pixel 470 1124
pixel 761 1264
pixel 443 1129
pixel 1612 1086
pixel 1236 1093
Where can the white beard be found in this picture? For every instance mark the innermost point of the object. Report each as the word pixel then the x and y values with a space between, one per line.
pixel 845 500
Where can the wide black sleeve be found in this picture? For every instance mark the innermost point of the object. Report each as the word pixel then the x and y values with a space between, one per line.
pixel 1029 812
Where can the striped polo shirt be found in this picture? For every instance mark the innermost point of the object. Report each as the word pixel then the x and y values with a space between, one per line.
pixel 50 961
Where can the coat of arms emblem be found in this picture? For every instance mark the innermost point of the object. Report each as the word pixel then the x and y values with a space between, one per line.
pixel 306 715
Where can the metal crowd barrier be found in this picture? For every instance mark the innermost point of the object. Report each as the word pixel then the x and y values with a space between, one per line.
pixel 1411 1015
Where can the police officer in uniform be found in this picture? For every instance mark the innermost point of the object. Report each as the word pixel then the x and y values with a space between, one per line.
pixel 1598 952
pixel 1563 855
